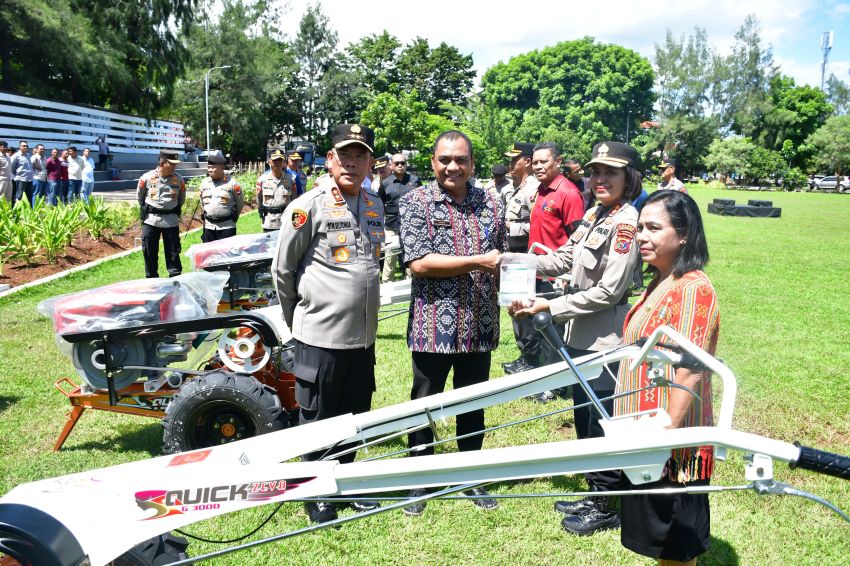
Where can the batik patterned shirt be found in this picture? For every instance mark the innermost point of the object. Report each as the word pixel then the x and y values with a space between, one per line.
pixel 688 304
pixel 457 314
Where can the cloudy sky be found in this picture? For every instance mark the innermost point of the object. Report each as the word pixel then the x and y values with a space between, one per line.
pixel 497 30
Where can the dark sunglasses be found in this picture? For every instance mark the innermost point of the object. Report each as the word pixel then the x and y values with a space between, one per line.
pixel 399 162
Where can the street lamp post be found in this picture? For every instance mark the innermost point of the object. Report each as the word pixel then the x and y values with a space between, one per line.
pixel 207 100
pixel 628 119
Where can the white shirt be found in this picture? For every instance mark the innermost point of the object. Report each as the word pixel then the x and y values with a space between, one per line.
pixel 75 168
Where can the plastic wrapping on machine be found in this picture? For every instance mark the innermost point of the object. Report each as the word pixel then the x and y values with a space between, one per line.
pixel 236 249
pixel 134 303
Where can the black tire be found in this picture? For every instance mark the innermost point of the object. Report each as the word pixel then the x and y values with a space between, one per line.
pixel 155 551
pixel 217 408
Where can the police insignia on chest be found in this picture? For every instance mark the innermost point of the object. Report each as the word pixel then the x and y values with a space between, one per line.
pixel 340 238
pixel 372 214
pixel 341 255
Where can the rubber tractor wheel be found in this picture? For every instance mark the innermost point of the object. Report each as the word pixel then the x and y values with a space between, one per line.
pixel 156 551
pixel 217 408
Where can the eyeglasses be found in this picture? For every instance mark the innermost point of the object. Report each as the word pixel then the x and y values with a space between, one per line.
pixel 399 162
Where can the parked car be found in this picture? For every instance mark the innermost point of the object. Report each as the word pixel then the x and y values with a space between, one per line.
pixel 814 180
pixel 831 182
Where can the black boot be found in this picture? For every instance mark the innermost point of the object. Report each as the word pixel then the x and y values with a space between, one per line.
pixel 573 507
pixel 320 511
pixel 519 365
pixel 598 517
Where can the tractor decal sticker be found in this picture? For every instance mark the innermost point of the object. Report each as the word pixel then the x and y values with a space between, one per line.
pixel 181 501
pixel 190 457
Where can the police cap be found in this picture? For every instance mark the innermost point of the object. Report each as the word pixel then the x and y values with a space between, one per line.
pixel 520 148
pixel 348 134
pixel 614 154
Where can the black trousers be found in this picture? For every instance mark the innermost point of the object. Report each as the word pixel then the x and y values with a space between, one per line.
pixel 331 382
pixel 150 249
pixel 531 343
pixel 23 188
pixel 587 419
pixel 213 235
pixel 430 372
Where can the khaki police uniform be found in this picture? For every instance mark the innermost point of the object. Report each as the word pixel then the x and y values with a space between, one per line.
pixel 600 257
pixel 327 276
pixel 273 195
pixel 518 214
pixel 160 201
pixel 222 201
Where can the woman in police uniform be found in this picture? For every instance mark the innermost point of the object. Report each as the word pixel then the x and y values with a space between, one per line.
pixel 601 259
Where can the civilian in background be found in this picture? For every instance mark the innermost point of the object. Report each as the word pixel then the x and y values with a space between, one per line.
pixel 102 152
pixel 88 175
pixel 76 164
pixel 22 170
pixel 39 173
pixel 53 166
pixel 6 177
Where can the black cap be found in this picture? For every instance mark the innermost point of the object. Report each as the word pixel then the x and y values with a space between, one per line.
pixel 381 162
pixel 277 154
pixel 521 148
pixel 347 134
pixel 499 170
pixel 665 163
pixel 216 158
pixel 615 154
pixel 169 156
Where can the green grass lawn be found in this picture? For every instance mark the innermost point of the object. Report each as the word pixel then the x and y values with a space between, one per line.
pixel 783 286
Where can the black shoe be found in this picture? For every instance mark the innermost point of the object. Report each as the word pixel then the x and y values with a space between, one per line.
pixel 591 521
pixel 486 503
pixel 320 511
pixel 362 506
pixel 564 393
pixel 520 365
pixel 573 507
pixel 415 509
pixel 542 397
pixel 508 366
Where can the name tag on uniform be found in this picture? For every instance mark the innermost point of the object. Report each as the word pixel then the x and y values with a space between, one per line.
pixel 336 225
pixel 515 207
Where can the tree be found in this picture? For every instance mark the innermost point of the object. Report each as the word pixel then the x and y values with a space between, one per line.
pixel 838 94
pixel 727 156
pixel 763 164
pixel 400 123
pixel 794 113
pixel 440 75
pixel 122 55
pixel 589 88
pixel 749 70
pixel 314 47
pixel 683 74
pixel 831 145
pixel 686 78
pixel 687 139
pixel 242 119
pixel 375 59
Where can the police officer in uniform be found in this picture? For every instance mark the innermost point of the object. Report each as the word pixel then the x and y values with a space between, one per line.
pixel 669 176
pixel 161 193
pixel 274 192
pixel 222 199
pixel 328 282
pixel 600 258
pixel 518 220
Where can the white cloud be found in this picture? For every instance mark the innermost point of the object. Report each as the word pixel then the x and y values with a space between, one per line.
pixel 498 30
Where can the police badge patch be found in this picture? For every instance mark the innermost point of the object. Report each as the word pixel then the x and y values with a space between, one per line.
pixel 625 235
pixel 299 218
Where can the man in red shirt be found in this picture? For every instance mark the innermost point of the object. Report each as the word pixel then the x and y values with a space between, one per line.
pixel 556 210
